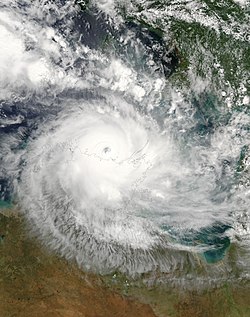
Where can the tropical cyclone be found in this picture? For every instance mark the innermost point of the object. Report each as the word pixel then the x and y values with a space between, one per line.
pixel 89 179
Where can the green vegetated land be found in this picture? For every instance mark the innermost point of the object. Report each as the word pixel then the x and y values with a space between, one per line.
pixel 218 53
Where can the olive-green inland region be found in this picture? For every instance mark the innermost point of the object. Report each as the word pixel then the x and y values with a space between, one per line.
pixel 212 39
pixel 34 282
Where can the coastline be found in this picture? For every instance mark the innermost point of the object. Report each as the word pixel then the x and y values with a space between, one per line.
pixel 35 282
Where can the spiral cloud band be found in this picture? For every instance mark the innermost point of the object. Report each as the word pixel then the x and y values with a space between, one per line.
pixel 90 177
pixel 105 185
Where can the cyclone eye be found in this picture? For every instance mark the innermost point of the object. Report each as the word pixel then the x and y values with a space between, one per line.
pixel 106 150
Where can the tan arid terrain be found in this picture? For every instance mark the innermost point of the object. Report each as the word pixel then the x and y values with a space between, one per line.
pixel 35 283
